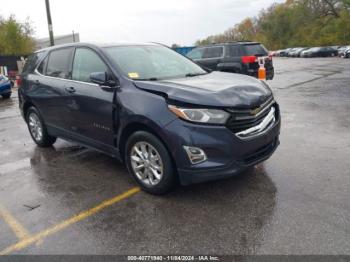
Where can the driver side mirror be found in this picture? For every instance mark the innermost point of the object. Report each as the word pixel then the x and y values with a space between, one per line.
pixel 102 79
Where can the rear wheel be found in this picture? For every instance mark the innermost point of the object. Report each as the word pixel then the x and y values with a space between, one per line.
pixel 149 163
pixel 6 96
pixel 37 129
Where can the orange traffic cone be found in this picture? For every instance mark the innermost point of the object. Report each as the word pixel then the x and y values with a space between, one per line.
pixel 262 73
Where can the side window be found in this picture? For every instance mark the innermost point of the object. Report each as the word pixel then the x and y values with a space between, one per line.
pixel 59 63
pixel 31 62
pixel 42 67
pixel 195 53
pixel 213 52
pixel 234 50
pixel 86 61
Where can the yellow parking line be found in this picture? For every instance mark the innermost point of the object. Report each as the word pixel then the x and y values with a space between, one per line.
pixel 16 227
pixel 83 215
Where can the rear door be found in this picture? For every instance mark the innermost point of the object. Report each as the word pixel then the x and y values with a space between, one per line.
pixel 49 83
pixel 212 56
pixel 91 106
pixel 233 57
pixel 208 57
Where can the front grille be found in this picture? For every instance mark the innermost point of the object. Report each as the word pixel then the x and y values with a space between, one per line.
pixel 261 153
pixel 243 119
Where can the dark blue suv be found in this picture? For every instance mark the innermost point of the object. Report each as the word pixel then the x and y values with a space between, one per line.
pixel 166 117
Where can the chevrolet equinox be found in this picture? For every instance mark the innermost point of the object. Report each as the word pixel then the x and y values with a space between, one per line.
pixel 163 115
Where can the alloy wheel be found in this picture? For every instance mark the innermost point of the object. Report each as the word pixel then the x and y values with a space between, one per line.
pixel 35 127
pixel 146 163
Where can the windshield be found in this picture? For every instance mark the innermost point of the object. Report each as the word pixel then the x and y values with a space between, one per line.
pixel 151 62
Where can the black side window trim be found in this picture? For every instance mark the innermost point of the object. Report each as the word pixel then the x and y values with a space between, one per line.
pixel 110 72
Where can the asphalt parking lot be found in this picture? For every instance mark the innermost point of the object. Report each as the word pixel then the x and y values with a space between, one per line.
pixel 71 200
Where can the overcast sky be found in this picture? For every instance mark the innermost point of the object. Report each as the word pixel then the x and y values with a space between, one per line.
pixel 165 21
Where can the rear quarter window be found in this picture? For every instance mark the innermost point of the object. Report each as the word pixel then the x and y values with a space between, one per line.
pixel 255 49
pixel 42 66
pixel 32 62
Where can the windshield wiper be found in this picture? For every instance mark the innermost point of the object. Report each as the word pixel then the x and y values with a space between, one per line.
pixel 195 74
pixel 146 79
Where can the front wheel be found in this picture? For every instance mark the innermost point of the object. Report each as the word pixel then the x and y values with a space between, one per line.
pixel 149 163
pixel 37 129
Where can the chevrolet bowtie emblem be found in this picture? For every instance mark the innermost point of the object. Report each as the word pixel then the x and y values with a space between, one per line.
pixel 255 111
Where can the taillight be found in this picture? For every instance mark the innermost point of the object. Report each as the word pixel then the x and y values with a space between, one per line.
pixel 248 59
pixel 18 81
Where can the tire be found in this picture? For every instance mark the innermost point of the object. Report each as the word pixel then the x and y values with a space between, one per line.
pixel 6 96
pixel 156 159
pixel 37 129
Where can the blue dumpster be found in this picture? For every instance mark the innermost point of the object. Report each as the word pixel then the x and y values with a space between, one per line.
pixel 184 50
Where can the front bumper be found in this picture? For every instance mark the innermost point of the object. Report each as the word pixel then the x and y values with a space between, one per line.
pixel 227 154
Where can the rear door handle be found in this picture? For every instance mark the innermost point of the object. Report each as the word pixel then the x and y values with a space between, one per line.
pixel 70 89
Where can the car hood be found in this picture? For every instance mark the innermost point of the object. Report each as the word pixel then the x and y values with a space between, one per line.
pixel 217 89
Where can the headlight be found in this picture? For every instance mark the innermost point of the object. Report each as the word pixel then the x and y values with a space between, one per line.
pixel 209 116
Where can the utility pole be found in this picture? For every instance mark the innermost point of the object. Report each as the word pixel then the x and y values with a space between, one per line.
pixel 49 22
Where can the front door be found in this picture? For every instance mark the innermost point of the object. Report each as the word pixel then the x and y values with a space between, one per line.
pixel 91 106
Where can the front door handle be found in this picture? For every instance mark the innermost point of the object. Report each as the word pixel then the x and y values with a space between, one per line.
pixel 70 89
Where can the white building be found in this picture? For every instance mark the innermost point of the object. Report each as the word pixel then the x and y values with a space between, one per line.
pixel 61 39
